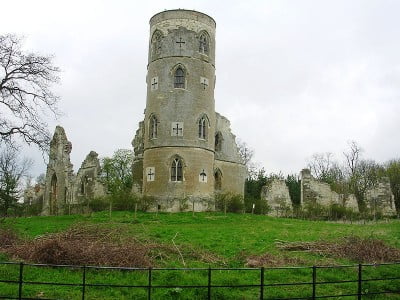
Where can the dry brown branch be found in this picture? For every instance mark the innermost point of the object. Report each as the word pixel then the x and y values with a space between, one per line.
pixel 180 254
pixel 355 248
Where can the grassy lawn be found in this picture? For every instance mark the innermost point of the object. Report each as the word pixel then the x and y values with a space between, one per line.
pixel 231 238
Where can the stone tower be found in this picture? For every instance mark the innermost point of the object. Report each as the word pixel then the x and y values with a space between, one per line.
pixel 175 147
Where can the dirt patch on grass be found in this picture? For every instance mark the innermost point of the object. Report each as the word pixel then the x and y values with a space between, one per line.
pixel 271 260
pixel 97 245
pixel 361 250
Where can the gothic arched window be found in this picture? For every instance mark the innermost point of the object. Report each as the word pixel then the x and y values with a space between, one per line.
pixel 156 44
pixel 153 127
pixel 203 43
pixel 176 170
pixel 203 128
pixel 218 142
pixel 217 180
pixel 179 79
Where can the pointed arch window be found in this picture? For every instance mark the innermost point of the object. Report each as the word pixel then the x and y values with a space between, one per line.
pixel 153 127
pixel 218 142
pixel 203 128
pixel 179 79
pixel 217 180
pixel 156 43
pixel 176 170
pixel 203 43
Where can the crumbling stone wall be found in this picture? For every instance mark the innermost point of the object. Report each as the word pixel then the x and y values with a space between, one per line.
pixel 87 184
pixel 380 198
pixel 276 194
pixel 316 192
pixel 137 165
pixel 62 187
pixel 59 174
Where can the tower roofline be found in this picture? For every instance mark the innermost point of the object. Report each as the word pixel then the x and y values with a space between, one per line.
pixel 174 13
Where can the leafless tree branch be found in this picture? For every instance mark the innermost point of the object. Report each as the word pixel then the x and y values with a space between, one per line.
pixel 25 94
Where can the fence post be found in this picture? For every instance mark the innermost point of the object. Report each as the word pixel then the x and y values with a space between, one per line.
pixel 314 280
pixel 359 293
pixel 83 282
pixel 149 286
pixel 262 283
pixel 209 284
pixel 21 270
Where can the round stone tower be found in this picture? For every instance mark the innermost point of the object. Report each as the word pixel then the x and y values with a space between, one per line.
pixel 180 119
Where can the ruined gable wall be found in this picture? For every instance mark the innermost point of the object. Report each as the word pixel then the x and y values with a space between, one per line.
pixel 316 192
pixel 227 159
pixel 277 196
pixel 137 165
pixel 59 170
pixel 229 150
pixel 380 198
pixel 87 184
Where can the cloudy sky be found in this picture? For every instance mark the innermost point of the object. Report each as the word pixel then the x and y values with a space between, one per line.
pixel 294 77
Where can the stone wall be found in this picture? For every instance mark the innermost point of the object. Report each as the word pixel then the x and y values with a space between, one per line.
pixel 380 198
pixel 87 184
pixel 276 194
pixel 316 192
pixel 59 174
pixel 62 187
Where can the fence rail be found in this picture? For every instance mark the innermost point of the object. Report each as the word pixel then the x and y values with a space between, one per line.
pixel 261 284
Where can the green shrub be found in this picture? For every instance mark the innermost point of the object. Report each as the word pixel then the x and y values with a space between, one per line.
pixel 99 204
pixel 261 206
pixel 145 202
pixel 229 202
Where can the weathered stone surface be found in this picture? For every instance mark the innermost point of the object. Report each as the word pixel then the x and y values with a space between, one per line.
pixel 59 174
pixel 62 187
pixel 380 198
pixel 276 194
pixel 316 192
pixel 87 184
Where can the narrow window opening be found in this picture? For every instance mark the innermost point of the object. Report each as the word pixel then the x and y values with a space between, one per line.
pixel 218 142
pixel 179 78
pixel 153 127
pixel 202 128
pixel 203 44
pixel 176 170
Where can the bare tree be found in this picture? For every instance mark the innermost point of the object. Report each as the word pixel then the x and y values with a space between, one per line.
pixel 320 165
pixel 353 157
pixel 246 155
pixel 12 171
pixel 25 95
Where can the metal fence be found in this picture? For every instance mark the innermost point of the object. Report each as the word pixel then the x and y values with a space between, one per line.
pixel 262 286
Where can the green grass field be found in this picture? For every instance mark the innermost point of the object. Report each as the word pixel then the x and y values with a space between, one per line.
pixel 230 238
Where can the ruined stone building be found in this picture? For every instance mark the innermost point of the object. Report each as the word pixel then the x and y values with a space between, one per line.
pixel 377 199
pixel 276 194
pixel 62 187
pixel 184 151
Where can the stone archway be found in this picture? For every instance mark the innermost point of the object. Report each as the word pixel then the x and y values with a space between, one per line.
pixel 53 195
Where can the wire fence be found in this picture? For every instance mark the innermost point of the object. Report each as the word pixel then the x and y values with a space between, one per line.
pixel 360 281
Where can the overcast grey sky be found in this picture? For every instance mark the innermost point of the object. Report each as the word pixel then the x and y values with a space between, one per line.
pixel 294 77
